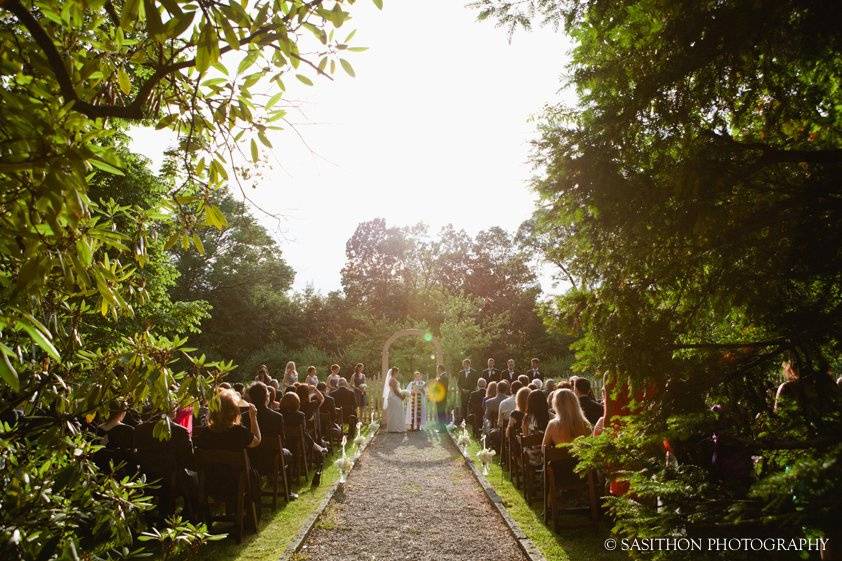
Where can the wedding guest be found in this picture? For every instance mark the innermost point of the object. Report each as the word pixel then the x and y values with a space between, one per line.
pixel 507 406
pixel 491 373
pixel 592 408
pixel 274 404
pixel 476 400
pixel 569 421
pixel 271 423
pixel 328 411
pixel 537 384
pixel 168 461
pixel 524 380
pixel 466 382
pixel 114 432
pixel 226 432
pixel 534 370
pixel 492 405
pixel 549 385
pixel 516 417
pixel 535 420
pixel 312 378
pixel 290 375
pixel 346 400
pixel 293 420
pixel 239 387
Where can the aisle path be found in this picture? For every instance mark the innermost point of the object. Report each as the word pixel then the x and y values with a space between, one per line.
pixel 411 498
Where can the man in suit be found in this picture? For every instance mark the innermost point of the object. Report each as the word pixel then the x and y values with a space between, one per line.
pixel 443 378
pixel 534 371
pixel 346 400
pixel 467 382
pixel 168 461
pixel 509 374
pixel 475 401
pixel 491 374
pixel 590 407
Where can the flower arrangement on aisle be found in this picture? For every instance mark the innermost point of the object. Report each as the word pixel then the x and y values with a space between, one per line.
pixel 485 456
pixel 359 441
pixel 344 463
pixel 373 425
pixel 463 439
pixel 451 426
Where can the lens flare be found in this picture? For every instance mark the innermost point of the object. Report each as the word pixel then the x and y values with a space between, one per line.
pixel 436 392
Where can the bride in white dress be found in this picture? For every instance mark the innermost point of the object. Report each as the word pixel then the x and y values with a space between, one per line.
pixel 393 412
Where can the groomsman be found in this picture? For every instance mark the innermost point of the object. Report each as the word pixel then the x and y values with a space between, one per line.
pixel 509 373
pixel 467 382
pixel 491 374
pixel 534 372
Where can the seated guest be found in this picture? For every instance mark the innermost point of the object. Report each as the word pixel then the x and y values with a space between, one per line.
pixel 492 405
pixel 327 410
pixel 271 424
pixel 524 380
pixel 516 416
pixel 168 462
pixel 118 439
pixel 240 388
pixel 490 393
pixel 293 420
pixel 565 385
pixel 312 378
pixel 569 422
pixel 535 420
pixel 536 384
pixel 549 385
pixel 225 432
pixel 591 407
pixel 273 398
pixel 308 406
pixel 346 400
pixel 507 406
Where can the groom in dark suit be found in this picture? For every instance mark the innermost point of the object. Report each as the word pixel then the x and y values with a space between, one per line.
pixel 534 371
pixel 467 383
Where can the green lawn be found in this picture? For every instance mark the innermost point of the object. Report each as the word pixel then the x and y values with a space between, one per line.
pixel 577 544
pixel 277 529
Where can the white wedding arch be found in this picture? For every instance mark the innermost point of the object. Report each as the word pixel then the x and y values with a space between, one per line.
pixel 426 335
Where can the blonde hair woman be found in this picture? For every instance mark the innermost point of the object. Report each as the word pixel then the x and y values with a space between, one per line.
pixel 290 374
pixel 569 422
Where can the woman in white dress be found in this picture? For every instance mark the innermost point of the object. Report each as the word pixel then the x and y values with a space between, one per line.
pixel 393 412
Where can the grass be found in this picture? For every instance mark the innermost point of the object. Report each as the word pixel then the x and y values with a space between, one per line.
pixel 278 529
pixel 568 544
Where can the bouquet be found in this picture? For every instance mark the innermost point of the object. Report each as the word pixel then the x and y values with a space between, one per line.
pixel 404 393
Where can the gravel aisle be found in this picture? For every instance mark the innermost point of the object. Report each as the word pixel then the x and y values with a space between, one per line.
pixel 432 508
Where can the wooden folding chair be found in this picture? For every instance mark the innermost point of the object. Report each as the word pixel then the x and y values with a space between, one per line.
pixel 238 494
pixel 562 485
pixel 530 473
pixel 273 466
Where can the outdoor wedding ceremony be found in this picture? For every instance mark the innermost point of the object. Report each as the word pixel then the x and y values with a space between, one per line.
pixel 381 280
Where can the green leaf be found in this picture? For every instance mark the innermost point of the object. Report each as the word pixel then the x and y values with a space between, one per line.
pixel 39 339
pixel 215 218
pixel 347 67
pixel 255 154
pixel 304 79
pixel 105 166
pixel 8 373
pixel 247 61
pixel 124 81
pixel 379 4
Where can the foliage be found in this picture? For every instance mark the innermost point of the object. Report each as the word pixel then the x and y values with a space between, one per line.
pixel 693 197
pixel 85 320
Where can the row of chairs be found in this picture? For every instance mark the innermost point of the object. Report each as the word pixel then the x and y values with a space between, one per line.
pixel 553 481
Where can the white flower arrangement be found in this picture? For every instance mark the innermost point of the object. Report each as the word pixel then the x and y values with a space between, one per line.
pixel 344 465
pixel 485 456
pixel 373 425
pixel 451 426
pixel 405 393
pixel 463 439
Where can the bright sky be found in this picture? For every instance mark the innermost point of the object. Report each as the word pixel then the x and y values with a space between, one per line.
pixel 434 128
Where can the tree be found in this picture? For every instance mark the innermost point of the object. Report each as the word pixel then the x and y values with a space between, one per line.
pixel 73 277
pixel 243 276
pixel 693 196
